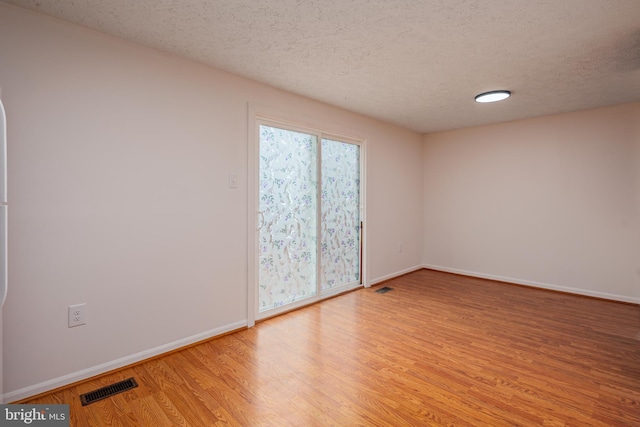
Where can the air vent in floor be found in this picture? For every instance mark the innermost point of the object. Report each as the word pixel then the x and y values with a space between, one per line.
pixel 108 391
pixel 384 290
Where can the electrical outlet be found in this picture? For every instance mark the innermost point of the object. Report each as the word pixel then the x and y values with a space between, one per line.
pixel 77 315
pixel 400 247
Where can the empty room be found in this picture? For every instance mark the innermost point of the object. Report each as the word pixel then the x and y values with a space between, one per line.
pixel 313 213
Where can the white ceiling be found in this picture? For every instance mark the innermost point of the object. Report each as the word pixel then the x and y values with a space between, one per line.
pixel 416 63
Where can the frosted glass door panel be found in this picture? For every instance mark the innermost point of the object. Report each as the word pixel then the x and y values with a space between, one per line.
pixel 288 217
pixel 340 210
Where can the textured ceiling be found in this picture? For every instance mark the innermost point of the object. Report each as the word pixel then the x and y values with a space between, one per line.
pixel 417 63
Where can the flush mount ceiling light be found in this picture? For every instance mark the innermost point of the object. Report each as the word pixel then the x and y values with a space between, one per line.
pixel 493 96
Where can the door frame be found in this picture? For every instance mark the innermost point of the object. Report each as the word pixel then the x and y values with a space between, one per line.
pixel 258 113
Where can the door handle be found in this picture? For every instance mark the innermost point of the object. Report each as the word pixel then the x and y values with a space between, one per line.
pixel 260 221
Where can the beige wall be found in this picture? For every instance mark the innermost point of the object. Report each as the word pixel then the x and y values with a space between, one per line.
pixel 552 201
pixel 118 164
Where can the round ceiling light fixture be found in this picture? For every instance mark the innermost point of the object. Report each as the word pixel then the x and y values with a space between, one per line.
pixel 493 96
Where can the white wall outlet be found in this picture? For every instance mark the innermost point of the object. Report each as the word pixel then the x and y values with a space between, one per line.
pixel 400 247
pixel 77 315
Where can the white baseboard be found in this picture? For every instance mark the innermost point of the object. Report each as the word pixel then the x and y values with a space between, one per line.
pixel 64 380
pixel 394 275
pixel 535 284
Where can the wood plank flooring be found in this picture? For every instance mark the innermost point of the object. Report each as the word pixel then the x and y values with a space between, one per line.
pixel 439 349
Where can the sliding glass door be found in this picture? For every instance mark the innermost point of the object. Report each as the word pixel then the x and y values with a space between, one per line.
pixel 309 217
pixel 288 205
pixel 340 214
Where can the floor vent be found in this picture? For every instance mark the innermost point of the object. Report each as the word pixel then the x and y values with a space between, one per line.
pixel 108 391
pixel 384 290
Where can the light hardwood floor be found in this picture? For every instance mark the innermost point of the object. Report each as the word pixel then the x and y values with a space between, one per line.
pixel 439 349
